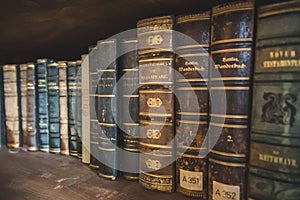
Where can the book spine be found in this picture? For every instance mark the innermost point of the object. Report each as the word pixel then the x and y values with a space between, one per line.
pixel 2 110
pixel 31 108
pixel 192 63
pixel 53 108
pixel 23 81
pixel 156 103
pixel 274 171
pixel 85 91
pixel 128 99
pixel 94 126
pixel 78 109
pixel 42 102
pixel 72 95
pixel 106 111
pixel 231 51
pixel 63 104
pixel 11 107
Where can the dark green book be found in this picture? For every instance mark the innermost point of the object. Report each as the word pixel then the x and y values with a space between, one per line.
pixel 274 171
pixel 231 70
pixel 72 96
pixel 53 107
pixel 78 109
pixel 42 102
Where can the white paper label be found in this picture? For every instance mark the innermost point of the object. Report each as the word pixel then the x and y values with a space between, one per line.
pixel 225 192
pixel 191 180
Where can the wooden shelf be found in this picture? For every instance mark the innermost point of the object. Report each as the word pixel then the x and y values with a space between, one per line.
pixel 38 175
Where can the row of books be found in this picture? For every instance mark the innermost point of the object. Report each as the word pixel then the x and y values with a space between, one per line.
pixel 205 103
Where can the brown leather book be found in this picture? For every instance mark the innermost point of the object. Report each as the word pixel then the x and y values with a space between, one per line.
pixel 11 107
pixel 156 103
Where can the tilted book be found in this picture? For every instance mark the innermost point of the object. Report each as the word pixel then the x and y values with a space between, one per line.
pixel 192 62
pixel 53 107
pixel 63 105
pixel 156 103
pixel 274 171
pixel 128 108
pixel 230 81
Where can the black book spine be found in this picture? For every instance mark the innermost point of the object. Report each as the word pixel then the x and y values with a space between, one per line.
pixel 232 27
pixel 32 144
pixel 192 63
pixel 106 108
pixel 23 81
pixel 42 102
pixel 78 108
pixel 128 100
pixel 53 108
pixel 72 96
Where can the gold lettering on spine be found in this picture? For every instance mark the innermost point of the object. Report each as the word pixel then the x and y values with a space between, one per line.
pixel 154 102
pixel 281 59
pixel 278 160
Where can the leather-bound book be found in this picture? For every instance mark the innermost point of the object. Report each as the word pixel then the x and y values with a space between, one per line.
pixel 78 109
pixel 156 103
pixel 42 102
pixel 106 108
pixel 85 117
pixel 230 81
pixel 274 165
pixel 11 107
pixel 191 108
pixel 94 126
pixel 32 138
pixel 53 107
pixel 63 105
pixel 72 96
pixel 23 84
pixel 128 108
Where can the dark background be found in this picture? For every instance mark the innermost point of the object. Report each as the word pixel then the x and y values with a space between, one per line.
pixel 63 29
